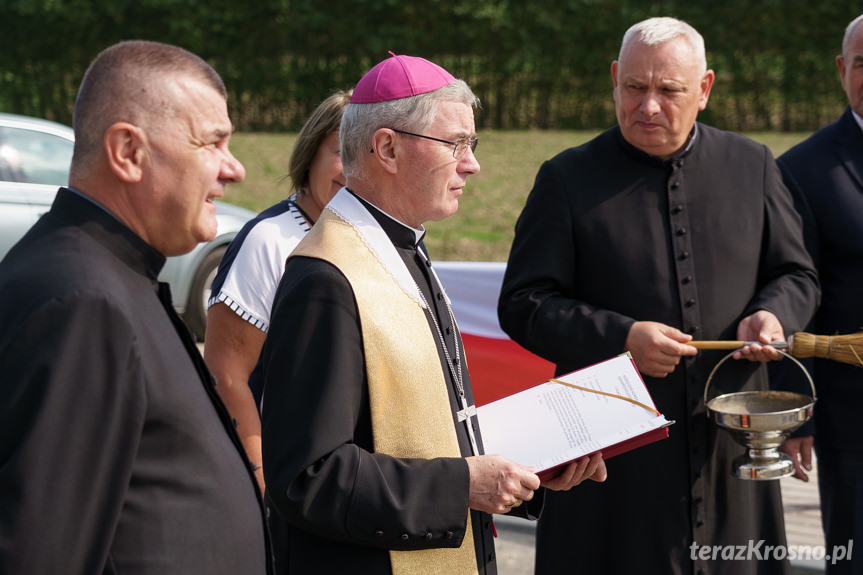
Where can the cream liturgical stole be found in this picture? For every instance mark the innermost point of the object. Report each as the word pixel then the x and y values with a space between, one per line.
pixel 410 407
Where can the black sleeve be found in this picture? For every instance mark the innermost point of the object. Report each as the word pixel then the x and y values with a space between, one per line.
pixel 319 465
pixel 538 307
pixel 787 278
pixel 72 415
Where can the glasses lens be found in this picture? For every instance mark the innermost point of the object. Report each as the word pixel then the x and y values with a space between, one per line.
pixel 462 145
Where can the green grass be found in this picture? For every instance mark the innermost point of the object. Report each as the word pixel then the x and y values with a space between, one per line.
pixel 266 159
pixel 482 229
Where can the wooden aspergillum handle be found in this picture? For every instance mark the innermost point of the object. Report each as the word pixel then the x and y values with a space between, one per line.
pixel 716 344
pixel 731 344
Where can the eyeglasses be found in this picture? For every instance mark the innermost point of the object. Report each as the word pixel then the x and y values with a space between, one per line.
pixel 460 146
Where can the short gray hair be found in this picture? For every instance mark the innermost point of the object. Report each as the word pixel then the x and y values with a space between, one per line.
pixel 658 31
pixel 849 31
pixel 123 84
pixel 412 114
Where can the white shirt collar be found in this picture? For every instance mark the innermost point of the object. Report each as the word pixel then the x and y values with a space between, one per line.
pixel 858 119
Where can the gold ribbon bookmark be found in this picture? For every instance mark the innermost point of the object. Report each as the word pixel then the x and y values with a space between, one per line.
pixel 623 397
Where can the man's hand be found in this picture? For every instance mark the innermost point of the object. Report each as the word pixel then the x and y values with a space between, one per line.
pixel 799 449
pixel 764 327
pixel 591 467
pixel 657 348
pixel 498 484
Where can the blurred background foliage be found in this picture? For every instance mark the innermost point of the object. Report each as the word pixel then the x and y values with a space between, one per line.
pixel 534 65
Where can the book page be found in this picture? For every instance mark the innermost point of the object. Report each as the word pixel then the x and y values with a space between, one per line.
pixel 551 424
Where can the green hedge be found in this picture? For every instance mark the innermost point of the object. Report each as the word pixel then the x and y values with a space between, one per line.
pixel 533 64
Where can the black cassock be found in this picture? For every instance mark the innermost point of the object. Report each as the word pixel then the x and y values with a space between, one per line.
pixel 116 453
pixel 317 434
pixel 609 236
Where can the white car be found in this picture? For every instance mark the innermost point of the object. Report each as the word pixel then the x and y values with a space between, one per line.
pixel 34 161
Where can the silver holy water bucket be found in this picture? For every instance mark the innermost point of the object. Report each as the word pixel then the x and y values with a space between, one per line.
pixel 761 421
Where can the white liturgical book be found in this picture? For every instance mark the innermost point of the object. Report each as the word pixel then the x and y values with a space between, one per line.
pixel 551 424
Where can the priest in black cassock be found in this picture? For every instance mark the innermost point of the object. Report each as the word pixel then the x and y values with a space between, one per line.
pixel 658 231
pixel 116 453
pixel 372 453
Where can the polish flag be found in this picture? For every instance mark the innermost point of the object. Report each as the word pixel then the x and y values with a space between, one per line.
pixel 498 366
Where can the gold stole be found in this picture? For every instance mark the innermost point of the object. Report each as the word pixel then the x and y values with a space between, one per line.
pixel 411 412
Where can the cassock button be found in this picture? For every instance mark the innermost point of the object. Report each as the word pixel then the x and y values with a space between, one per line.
pixel 449 330
pixel 681 231
pixel 683 256
pixel 404 537
pixel 677 209
pixel 699 523
pixel 675 185
pixel 428 536
pixel 690 302
pixel 686 280
pixel 440 295
pixel 379 533
pixel 449 535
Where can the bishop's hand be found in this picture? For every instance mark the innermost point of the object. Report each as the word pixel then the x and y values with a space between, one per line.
pixel 498 484
pixel 589 467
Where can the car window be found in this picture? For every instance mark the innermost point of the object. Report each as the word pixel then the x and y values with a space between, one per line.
pixel 34 157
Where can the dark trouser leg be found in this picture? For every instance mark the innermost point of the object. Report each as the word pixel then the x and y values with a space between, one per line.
pixel 840 483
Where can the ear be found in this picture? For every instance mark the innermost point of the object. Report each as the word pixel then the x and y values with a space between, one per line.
pixel 124 150
pixel 706 85
pixel 614 73
pixel 840 63
pixel 384 148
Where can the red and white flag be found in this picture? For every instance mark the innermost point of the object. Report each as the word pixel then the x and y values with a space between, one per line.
pixel 498 366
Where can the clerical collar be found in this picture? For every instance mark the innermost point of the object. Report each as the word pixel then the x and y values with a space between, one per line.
pixel 401 234
pixel 689 142
pixel 82 211
pixel 81 194
pixel 693 134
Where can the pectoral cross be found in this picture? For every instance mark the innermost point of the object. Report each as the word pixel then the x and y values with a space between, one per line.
pixel 465 414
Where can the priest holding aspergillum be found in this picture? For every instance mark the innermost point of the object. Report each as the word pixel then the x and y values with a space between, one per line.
pixel 660 230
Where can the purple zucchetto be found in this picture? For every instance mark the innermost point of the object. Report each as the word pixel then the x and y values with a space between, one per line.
pixel 400 77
